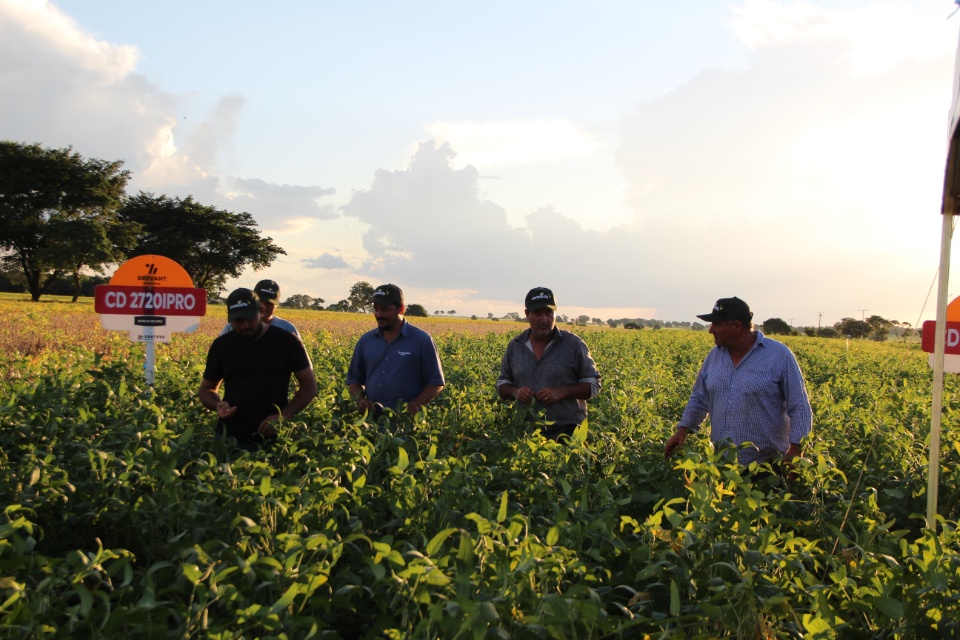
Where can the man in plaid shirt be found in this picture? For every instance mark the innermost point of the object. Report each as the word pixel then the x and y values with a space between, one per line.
pixel 752 388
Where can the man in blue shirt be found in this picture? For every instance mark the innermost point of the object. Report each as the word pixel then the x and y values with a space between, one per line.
pixel 396 363
pixel 752 388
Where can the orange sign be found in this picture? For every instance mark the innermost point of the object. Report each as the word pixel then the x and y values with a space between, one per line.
pixel 150 297
pixel 151 271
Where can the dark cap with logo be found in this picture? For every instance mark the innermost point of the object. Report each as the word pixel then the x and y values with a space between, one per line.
pixel 538 298
pixel 387 294
pixel 729 309
pixel 242 304
pixel 268 291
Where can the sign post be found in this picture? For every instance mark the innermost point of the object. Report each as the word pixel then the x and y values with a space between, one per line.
pixel 941 339
pixel 150 297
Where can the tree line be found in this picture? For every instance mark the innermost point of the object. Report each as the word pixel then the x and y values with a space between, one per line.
pixel 63 215
pixel 874 328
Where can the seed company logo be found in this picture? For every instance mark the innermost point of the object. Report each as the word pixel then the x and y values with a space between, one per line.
pixel 151 271
pixel 151 275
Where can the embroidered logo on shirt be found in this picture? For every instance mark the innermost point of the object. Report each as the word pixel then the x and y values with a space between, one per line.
pixel 404 353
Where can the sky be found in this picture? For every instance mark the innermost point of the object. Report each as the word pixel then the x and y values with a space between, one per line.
pixel 640 158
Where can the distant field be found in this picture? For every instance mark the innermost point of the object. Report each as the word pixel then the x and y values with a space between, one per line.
pixel 124 517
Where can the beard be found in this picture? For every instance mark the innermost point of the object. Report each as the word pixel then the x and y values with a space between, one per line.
pixel 253 335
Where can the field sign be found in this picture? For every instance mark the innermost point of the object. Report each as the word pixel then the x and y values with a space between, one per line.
pixel 150 297
pixel 951 346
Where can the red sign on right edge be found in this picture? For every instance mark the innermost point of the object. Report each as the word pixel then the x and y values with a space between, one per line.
pixel 952 345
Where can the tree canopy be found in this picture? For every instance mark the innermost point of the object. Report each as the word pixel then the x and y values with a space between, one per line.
pixel 58 213
pixel 880 327
pixel 417 310
pixel 776 326
pixel 302 301
pixel 853 328
pixel 360 297
pixel 211 244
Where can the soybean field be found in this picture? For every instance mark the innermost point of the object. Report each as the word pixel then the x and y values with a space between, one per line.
pixel 124 517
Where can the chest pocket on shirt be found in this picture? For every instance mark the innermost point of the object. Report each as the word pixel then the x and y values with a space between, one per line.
pixel 758 384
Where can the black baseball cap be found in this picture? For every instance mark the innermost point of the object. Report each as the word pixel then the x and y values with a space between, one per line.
pixel 387 294
pixel 538 298
pixel 729 309
pixel 242 304
pixel 268 291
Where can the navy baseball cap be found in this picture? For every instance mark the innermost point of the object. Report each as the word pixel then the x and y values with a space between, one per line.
pixel 387 294
pixel 729 309
pixel 268 291
pixel 242 304
pixel 538 298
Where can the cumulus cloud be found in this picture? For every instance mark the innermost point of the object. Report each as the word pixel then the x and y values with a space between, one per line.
pixel 325 261
pixel 768 180
pixel 282 207
pixel 760 183
pixel 428 226
pixel 62 86
pixel 512 142
pixel 865 30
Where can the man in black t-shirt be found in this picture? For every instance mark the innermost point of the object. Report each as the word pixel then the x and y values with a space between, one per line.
pixel 254 361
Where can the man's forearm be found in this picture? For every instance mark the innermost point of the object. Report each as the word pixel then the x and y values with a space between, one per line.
pixel 356 391
pixel 507 391
pixel 578 391
pixel 209 393
pixel 428 393
pixel 209 399
pixel 298 403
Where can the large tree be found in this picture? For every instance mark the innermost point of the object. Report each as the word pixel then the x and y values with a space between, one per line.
pixel 775 326
pixel 58 213
pixel 360 297
pixel 298 301
pixel 880 326
pixel 417 310
pixel 211 244
pixel 853 328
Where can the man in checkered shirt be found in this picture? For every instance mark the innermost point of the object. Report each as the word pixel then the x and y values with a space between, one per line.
pixel 752 388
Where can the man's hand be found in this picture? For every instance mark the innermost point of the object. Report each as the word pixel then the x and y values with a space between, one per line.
pixel 793 452
pixel 267 427
pixel 675 442
pixel 365 404
pixel 224 410
pixel 549 395
pixel 524 395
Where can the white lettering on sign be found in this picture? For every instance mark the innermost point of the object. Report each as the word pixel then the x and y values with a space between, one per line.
pixel 116 299
pixel 953 337
pixel 158 301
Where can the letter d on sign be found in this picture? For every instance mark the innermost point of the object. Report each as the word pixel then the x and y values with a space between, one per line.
pixel 953 337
